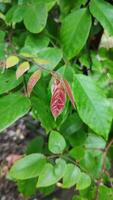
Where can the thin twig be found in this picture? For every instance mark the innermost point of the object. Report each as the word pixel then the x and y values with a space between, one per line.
pixel 103 167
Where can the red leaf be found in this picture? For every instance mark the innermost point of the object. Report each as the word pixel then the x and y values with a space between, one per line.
pixel 69 91
pixel 33 80
pixel 58 98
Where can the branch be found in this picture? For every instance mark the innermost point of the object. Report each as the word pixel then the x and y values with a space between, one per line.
pixel 103 169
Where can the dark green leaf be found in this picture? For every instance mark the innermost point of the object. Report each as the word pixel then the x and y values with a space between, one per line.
pixel 35 146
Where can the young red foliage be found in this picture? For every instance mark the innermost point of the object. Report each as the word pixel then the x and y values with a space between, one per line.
pixel 69 92
pixel 58 98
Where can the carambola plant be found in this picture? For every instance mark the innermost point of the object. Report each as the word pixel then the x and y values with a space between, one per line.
pixel 55 63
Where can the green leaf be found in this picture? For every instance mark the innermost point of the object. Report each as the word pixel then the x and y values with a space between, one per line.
pixel 41 105
pixel 105 193
pixel 12 107
pixel 11 61
pixel 103 11
pixel 94 141
pixel 71 176
pixel 92 106
pixel 28 167
pixel 57 142
pixel 71 125
pixel 76 197
pixel 2 45
pixel 92 162
pixel 51 174
pixel 78 138
pixel 84 182
pixel 35 16
pixel 77 152
pixel 50 3
pixel 35 146
pixel 8 81
pixel 75 30
pixel 27 187
pixel 52 55
pixel 36 43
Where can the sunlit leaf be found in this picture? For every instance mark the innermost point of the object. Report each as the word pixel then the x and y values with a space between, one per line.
pixel 11 61
pixel 22 68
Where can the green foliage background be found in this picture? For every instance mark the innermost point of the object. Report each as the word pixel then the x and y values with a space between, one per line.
pixel 67 34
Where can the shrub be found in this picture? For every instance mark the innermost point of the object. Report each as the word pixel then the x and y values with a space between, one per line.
pixel 53 63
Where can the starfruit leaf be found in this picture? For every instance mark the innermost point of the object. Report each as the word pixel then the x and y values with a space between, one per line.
pixel 92 106
pixel 68 90
pixel 58 98
pixel 11 61
pixel 74 33
pixel 22 68
pixel 57 142
pixel 33 80
pixel 35 16
pixel 84 182
pixel 71 176
pixel 28 167
pixel 50 174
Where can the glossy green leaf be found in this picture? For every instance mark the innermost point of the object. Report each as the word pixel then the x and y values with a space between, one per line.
pixel 51 174
pixel 28 167
pixel 35 16
pixel 8 81
pixel 12 107
pixel 84 182
pixel 52 55
pixel 92 106
pixel 71 176
pixel 103 11
pixel 57 142
pixel 75 30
